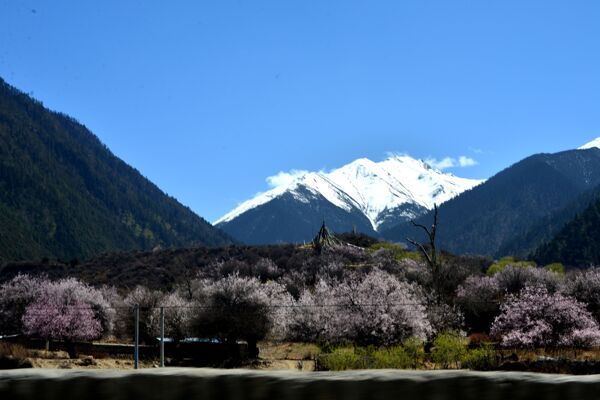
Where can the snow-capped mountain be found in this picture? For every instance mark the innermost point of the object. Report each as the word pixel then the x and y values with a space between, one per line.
pixel 590 145
pixel 366 195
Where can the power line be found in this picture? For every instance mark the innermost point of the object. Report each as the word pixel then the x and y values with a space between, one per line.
pixel 345 305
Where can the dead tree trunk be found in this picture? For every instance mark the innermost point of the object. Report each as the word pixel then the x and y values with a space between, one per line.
pixel 430 253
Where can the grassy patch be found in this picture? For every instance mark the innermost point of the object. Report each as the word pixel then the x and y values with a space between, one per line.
pixel 506 261
pixel 484 358
pixel 556 268
pixel 13 356
pixel 398 251
pixel 409 354
pixel 449 348
pixel 288 351
pixel 13 350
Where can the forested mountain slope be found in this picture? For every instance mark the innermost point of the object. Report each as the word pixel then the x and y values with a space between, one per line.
pixel 546 228
pixel 577 244
pixel 63 193
pixel 485 219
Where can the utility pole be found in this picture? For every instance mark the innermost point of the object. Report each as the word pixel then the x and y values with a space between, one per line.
pixel 136 346
pixel 162 337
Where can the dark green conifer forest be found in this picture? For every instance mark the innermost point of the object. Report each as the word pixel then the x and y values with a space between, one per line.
pixel 64 195
pixel 577 243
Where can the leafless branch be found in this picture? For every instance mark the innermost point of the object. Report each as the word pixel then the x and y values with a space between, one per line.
pixel 422 227
pixel 421 249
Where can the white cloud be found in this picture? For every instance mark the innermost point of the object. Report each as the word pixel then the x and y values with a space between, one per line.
pixel 391 154
pixel 450 162
pixel 444 163
pixel 465 161
pixel 285 178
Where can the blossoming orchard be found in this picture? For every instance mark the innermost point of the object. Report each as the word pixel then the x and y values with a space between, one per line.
pixel 383 305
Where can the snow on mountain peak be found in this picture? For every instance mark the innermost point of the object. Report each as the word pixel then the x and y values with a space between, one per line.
pixel 374 188
pixel 592 144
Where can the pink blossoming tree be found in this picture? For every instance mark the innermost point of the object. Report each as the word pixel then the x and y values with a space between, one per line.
pixel 479 297
pixel 64 310
pixel 537 318
pixel 585 287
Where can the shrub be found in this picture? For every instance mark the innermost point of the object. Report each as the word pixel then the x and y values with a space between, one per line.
pixel 356 239
pixel 396 251
pixel 508 261
pixel 557 268
pixel 11 350
pixel 415 351
pixel 339 359
pixel 483 358
pixel 13 356
pixel 391 357
pixel 536 318
pixel 350 357
pixel 448 350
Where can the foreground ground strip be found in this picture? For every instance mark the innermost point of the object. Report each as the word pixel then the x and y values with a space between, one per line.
pixel 179 383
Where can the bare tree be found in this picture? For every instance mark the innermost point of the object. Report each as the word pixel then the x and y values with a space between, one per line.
pixel 430 252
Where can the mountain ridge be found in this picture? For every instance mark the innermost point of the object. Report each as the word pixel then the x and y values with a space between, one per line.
pixel 483 220
pixel 384 193
pixel 64 194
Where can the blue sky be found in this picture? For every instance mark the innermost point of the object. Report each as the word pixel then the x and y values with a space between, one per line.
pixel 209 98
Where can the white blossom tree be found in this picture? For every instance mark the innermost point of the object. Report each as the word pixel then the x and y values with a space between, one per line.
pixel 375 308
